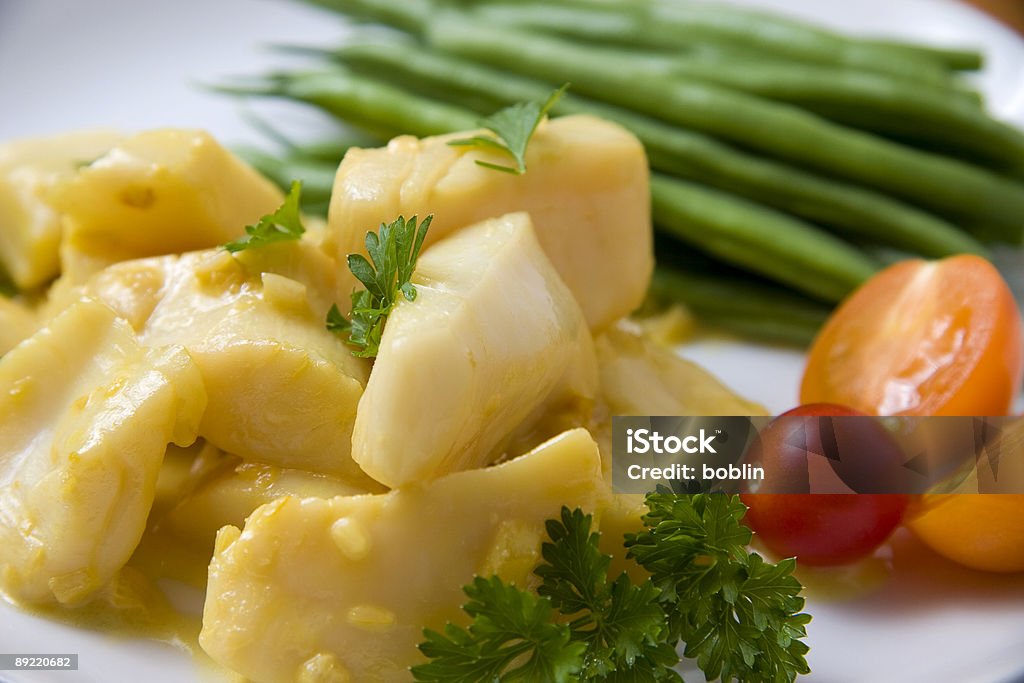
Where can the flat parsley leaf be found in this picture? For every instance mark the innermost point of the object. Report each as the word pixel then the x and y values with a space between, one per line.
pixel 393 251
pixel 512 127
pixel 282 225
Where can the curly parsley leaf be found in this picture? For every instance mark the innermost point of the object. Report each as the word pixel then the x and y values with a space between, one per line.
pixel 282 225
pixel 622 623
pixel 393 250
pixel 607 631
pixel 512 127
pixel 513 637
pixel 739 616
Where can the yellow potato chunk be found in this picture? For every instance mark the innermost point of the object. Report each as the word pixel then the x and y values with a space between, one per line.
pixel 17 322
pixel 282 389
pixel 30 227
pixel 621 514
pixel 227 491
pixel 344 586
pixel 586 189
pixel 493 339
pixel 159 192
pixel 87 415
pixel 641 377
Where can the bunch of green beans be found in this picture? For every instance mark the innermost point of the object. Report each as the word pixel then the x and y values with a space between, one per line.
pixel 780 149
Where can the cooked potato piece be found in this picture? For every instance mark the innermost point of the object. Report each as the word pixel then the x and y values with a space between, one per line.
pixel 17 322
pixel 282 389
pixel 586 190
pixel 640 377
pixel 159 192
pixel 492 339
pixel 622 514
pixel 30 228
pixel 346 585
pixel 87 415
pixel 180 469
pixel 231 489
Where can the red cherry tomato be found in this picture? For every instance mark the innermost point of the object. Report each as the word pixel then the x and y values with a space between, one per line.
pixel 806 451
pixel 824 529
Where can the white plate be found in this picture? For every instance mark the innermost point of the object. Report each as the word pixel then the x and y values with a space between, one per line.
pixel 133 64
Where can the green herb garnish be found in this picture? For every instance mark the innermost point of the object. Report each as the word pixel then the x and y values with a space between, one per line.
pixel 393 251
pixel 739 616
pixel 621 623
pixel 513 637
pixel 513 128
pixel 282 225
pixel 608 627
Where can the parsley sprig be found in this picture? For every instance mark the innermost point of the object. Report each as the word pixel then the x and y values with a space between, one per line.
pixel 621 623
pixel 279 226
pixel 513 637
pixel 393 251
pixel 512 127
pixel 738 615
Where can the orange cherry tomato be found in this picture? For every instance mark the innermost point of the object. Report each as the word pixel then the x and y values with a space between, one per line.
pixel 921 338
pixel 982 531
pixel 938 338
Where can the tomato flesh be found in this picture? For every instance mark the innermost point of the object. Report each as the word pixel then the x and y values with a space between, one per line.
pixel 921 338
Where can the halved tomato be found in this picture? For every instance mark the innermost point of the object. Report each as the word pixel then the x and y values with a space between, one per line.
pixel 921 338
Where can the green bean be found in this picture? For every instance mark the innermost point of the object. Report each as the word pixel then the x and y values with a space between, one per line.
pixel 407 15
pixel 759 239
pixel 671 23
pixel 945 185
pixel 860 99
pixel 373 106
pixel 744 67
pixel 317 176
pixel 785 36
pixel 334 148
pixel 748 307
pixel 682 153
pixel 323 149
pixel 955 58
pixel 681 27
pixel 737 231
pixel 868 101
